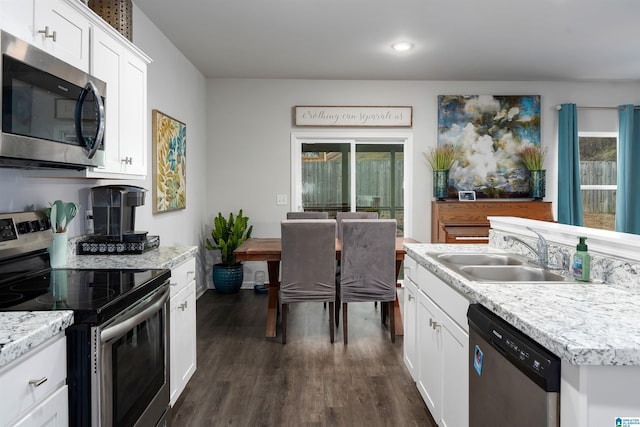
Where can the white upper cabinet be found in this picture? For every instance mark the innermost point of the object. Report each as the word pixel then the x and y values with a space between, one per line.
pixel 54 26
pixel 62 31
pixel 125 73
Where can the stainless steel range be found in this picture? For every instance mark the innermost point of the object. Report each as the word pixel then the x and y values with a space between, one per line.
pixel 118 346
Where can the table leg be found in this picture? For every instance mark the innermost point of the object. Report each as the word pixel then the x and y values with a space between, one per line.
pixel 273 268
pixel 397 314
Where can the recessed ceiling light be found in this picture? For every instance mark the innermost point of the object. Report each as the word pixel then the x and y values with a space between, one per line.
pixel 402 46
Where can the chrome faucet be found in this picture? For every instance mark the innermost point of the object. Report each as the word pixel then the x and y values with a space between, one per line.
pixel 541 251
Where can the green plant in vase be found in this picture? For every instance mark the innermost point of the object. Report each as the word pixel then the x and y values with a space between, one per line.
pixel 441 159
pixel 226 236
pixel 532 158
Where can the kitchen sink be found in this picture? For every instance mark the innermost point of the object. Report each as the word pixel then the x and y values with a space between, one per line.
pixel 509 273
pixel 481 259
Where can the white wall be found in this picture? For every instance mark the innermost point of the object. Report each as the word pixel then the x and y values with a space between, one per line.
pixel 250 122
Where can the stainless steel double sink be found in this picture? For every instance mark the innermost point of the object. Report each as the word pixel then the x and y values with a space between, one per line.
pixel 499 268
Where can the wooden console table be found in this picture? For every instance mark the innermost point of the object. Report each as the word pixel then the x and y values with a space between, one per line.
pixel 466 222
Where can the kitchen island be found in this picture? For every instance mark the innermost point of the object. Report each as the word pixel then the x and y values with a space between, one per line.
pixel 593 327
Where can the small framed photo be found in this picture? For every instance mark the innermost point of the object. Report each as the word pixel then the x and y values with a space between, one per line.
pixel 467 196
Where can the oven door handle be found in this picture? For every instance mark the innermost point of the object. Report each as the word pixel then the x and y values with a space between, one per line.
pixel 135 317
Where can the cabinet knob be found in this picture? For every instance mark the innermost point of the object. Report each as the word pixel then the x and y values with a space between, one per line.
pixel 127 160
pixel 38 383
pixel 46 33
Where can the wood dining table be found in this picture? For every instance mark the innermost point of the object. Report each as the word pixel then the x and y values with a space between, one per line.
pixel 270 250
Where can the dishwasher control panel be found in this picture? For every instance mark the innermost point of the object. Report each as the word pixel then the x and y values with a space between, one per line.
pixel 530 357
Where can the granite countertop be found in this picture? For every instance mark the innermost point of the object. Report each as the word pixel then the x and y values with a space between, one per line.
pixel 21 331
pixel 162 257
pixel 582 323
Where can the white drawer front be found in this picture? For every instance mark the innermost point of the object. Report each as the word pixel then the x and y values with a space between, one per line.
pixel 182 274
pixel 47 363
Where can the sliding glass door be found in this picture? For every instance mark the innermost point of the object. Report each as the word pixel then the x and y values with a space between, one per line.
pixel 351 175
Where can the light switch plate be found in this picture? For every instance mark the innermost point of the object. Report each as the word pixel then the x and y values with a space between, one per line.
pixel 281 199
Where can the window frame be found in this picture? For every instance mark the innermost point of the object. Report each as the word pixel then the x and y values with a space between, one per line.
pixel 600 134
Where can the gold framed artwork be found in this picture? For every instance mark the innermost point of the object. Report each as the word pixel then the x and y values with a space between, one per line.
pixel 169 163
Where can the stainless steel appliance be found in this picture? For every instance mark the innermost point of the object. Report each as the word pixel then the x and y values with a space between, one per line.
pixel 114 218
pixel 53 114
pixel 118 346
pixel 513 380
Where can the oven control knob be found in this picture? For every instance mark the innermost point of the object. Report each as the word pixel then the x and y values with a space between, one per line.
pixel 35 226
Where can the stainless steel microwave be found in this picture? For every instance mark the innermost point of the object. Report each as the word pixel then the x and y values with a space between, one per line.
pixel 53 114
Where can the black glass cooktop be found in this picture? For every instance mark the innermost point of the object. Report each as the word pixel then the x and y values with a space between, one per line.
pixel 93 295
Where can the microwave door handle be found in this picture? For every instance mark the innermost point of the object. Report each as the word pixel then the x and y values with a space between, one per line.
pixel 78 118
pixel 134 318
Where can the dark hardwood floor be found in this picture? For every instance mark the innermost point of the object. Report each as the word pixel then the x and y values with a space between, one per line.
pixel 245 379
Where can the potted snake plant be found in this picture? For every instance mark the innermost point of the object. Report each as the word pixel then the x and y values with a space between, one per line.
pixel 227 234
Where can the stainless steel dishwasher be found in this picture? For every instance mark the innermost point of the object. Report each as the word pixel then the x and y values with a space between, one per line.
pixel 513 380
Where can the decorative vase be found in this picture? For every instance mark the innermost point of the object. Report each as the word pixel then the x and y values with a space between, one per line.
pixel 440 184
pixel 537 184
pixel 227 279
pixel 58 250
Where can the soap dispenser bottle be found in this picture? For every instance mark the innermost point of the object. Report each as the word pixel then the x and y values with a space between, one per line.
pixel 581 261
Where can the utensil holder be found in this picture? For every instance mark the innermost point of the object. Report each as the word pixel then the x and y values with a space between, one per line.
pixel 58 250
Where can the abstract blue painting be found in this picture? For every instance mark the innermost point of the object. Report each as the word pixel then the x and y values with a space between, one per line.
pixel 488 131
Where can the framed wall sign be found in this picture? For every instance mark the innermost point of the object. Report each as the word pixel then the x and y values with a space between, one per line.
pixel 169 163
pixel 314 115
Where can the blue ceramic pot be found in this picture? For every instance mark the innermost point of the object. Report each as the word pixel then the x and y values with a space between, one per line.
pixel 227 279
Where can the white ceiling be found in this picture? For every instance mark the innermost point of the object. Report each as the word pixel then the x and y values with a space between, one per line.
pixel 503 40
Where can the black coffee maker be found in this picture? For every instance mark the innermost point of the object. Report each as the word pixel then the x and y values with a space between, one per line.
pixel 114 212
pixel 114 218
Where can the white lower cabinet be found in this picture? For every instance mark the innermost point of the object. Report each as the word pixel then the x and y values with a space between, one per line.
pixel 34 391
pixel 52 412
pixel 441 349
pixel 182 327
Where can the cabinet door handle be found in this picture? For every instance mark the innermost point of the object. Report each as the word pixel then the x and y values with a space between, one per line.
pixel 183 306
pixel 173 283
pixel 46 33
pixel 410 297
pixel 127 160
pixel 434 324
pixel 38 383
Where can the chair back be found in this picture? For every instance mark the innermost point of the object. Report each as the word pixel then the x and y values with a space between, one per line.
pixel 353 215
pixel 368 261
pixel 308 260
pixel 307 215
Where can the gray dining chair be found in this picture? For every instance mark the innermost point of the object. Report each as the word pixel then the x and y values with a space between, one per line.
pixel 339 217
pixel 308 265
pixel 307 215
pixel 353 215
pixel 368 266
